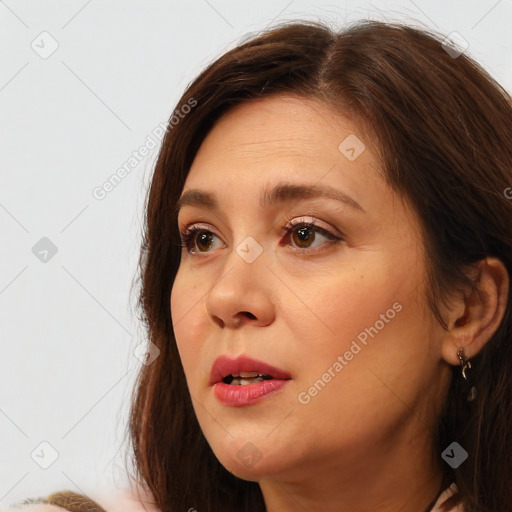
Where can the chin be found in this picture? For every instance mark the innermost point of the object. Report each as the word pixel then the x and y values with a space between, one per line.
pixel 249 461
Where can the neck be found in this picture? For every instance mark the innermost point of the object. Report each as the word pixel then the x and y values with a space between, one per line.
pixel 382 481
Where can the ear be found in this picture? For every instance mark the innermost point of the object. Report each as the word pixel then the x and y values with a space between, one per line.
pixel 474 319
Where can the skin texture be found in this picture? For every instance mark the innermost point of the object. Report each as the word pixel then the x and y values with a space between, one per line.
pixel 364 441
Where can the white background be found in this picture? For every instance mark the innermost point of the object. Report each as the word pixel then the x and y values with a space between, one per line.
pixel 68 122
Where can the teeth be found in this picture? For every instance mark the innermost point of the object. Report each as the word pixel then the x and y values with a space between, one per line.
pixel 245 378
pixel 249 374
pixel 244 382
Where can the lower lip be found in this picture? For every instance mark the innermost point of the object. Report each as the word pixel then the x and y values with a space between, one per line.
pixel 238 396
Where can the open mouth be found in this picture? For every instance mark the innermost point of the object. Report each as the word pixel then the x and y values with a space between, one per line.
pixel 231 380
pixel 245 378
pixel 244 370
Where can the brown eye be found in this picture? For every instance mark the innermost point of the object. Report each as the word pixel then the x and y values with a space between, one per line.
pixel 204 239
pixel 196 240
pixel 303 236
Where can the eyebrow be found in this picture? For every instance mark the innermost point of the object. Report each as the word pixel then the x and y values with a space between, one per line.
pixel 279 194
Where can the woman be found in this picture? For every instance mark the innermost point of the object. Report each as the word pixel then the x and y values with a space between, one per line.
pixel 325 271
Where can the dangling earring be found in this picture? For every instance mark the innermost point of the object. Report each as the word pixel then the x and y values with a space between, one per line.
pixel 465 366
pixel 463 363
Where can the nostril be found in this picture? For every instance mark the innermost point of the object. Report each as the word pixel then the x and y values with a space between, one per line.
pixel 250 315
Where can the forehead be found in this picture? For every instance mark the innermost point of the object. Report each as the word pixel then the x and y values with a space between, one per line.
pixel 257 147
pixel 281 137
pixel 281 124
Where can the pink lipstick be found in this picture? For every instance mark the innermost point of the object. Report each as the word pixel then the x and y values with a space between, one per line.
pixel 245 381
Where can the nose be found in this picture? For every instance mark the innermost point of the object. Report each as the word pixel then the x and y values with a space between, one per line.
pixel 242 295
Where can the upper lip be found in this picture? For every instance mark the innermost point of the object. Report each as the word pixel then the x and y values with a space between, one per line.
pixel 225 365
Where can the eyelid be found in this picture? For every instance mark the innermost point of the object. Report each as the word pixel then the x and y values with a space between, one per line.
pixel 334 235
pixel 199 225
pixel 312 221
pixel 188 232
pixel 193 227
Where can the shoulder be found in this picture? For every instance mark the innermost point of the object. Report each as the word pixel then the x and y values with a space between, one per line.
pixel 32 507
pixel 125 500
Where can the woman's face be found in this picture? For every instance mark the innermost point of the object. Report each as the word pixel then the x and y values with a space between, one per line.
pixel 339 307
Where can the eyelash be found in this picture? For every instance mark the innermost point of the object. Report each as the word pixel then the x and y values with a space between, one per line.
pixel 188 236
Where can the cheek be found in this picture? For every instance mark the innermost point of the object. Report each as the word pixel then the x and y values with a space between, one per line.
pixel 186 305
pixel 178 305
pixel 186 301
pixel 342 306
pixel 367 340
pixel 367 317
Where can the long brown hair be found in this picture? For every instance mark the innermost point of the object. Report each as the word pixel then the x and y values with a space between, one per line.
pixel 443 132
